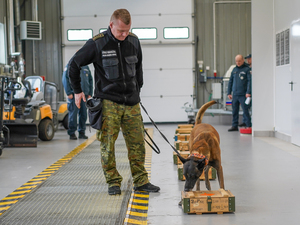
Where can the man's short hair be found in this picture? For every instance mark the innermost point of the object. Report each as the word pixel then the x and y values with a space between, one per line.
pixel 121 14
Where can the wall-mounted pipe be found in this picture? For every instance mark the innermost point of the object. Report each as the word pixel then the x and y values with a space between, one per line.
pixel 34 8
pixel 214 28
pixel 11 30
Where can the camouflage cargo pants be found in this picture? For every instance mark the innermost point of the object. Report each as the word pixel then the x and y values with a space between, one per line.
pixel 130 120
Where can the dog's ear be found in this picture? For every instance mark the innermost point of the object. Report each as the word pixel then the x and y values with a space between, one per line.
pixel 183 160
pixel 201 163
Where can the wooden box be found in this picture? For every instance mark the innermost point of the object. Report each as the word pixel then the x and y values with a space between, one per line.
pixel 182 145
pixel 183 130
pixel 182 137
pixel 184 154
pixel 212 173
pixel 199 202
pixel 185 125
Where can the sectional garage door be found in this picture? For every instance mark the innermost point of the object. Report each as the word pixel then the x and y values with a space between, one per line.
pixel 167 62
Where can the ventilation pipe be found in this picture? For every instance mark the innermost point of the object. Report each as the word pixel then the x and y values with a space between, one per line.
pixel 34 7
pixel 18 41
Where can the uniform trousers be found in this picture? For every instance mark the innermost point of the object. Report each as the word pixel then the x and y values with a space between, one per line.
pixel 236 101
pixel 129 119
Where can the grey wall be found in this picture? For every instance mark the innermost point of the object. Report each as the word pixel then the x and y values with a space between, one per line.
pixel 44 57
pixel 233 36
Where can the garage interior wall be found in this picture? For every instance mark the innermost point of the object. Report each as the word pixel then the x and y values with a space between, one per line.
pixel 232 36
pixel 42 57
pixel 233 28
pixel 272 95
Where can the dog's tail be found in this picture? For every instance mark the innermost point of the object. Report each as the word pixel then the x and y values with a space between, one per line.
pixel 202 110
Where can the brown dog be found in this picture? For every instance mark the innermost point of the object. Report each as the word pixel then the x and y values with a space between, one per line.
pixel 205 152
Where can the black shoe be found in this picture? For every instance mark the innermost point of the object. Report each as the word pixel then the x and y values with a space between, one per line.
pixel 73 137
pixel 242 125
pixel 114 190
pixel 233 129
pixel 83 136
pixel 147 187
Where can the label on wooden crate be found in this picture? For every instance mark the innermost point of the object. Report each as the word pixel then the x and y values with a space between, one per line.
pixel 182 137
pixel 208 201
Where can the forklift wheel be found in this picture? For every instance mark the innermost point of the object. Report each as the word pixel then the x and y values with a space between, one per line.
pixel 65 122
pixel 46 130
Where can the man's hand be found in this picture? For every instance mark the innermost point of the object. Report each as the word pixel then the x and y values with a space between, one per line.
pixel 230 96
pixel 78 98
pixel 70 96
pixel 248 95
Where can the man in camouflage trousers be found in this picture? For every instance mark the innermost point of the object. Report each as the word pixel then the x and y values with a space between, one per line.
pixel 117 58
pixel 129 119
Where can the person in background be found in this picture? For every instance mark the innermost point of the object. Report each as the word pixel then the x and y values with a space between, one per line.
pixel 239 88
pixel 249 60
pixel 249 63
pixel 117 58
pixel 74 112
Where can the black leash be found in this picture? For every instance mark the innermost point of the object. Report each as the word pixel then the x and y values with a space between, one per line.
pixel 175 150
pixel 156 149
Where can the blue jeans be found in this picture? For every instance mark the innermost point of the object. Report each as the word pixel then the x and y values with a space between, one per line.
pixel 236 101
pixel 74 112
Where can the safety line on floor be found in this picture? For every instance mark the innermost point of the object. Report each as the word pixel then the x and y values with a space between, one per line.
pixel 137 212
pixel 26 188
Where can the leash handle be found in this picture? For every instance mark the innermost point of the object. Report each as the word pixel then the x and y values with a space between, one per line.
pixel 174 149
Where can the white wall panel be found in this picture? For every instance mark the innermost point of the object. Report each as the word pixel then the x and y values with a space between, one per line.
pixel 106 7
pixel 167 63
pixel 165 109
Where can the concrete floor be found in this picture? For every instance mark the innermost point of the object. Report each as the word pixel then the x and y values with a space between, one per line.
pixel 262 173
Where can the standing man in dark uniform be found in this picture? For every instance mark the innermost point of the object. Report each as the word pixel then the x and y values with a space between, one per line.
pixel 74 112
pixel 240 86
pixel 117 58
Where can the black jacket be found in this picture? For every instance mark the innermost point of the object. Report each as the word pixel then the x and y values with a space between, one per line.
pixel 240 82
pixel 118 67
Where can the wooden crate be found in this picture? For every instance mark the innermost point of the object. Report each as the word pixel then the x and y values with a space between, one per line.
pixel 184 154
pixel 182 137
pixel 182 145
pixel 199 202
pixel 212 173
pixel 183 130
pixel 185 125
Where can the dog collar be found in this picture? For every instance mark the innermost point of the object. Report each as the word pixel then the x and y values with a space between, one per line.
pixel 199 156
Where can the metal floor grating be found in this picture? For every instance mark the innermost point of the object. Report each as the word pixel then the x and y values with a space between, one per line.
pixel 76 193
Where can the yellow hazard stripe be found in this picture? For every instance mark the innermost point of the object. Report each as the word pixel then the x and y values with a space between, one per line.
pixel 141 207
pixel 20 193
pixel 7 203
pixel 13 197
pixel 140 213
pixel 140 201
pixel 133 221
pixel 142 195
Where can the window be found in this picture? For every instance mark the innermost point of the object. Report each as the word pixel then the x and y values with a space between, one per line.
pixel 145 33
pixel 102 30
pixel 176 32
pixel 80 34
